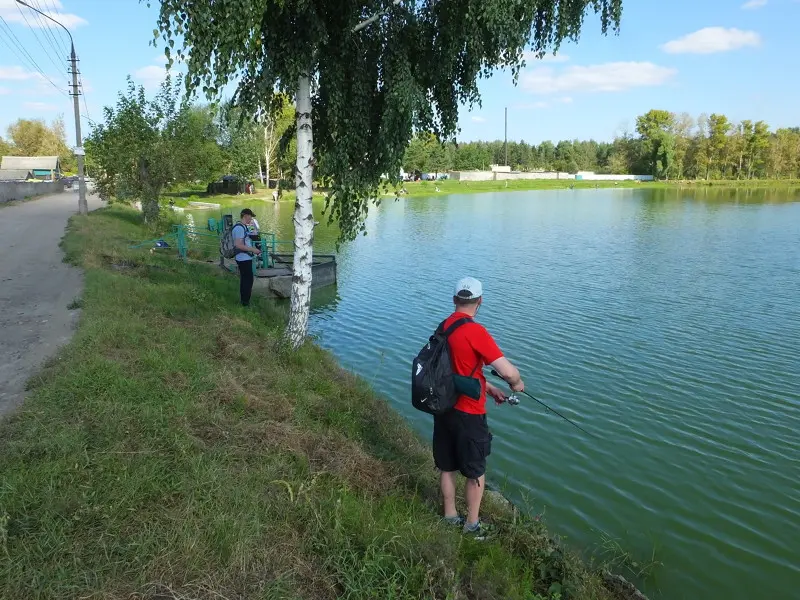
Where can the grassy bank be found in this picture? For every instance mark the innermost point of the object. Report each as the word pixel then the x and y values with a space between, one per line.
pixel 182 195
pixel 176 449
pixel 428 188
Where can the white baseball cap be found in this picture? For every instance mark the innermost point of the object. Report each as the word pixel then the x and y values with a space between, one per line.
pixel 468 288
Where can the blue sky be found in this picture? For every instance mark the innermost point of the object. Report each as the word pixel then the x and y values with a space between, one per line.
pixel 737 57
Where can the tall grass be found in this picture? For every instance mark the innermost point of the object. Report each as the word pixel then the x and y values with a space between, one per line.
pixel 177 449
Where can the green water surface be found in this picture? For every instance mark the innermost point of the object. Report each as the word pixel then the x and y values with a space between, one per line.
pixel 666 322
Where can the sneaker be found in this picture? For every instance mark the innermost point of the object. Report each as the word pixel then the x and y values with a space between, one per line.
pixel 480 531
pixel 457 521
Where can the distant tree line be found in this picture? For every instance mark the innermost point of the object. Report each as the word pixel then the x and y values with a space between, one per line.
pixel 34 137
pixel 665 145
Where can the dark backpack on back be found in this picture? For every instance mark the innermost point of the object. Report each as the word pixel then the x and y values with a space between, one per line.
pixel 433 388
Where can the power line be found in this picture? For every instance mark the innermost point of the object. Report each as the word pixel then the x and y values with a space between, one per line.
pixel 48 30
pixel 29 61
pixel 85 106
pixel 53 30
pixel 38 40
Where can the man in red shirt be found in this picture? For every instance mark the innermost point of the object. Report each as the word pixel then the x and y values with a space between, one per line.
pixel 461 437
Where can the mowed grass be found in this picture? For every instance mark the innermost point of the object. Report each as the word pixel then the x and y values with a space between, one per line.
pixel 183 194
pixel 176 449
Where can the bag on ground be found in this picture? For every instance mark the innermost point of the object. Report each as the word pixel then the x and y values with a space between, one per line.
pixel 433 389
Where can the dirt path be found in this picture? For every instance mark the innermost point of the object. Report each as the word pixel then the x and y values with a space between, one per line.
pixel 35 289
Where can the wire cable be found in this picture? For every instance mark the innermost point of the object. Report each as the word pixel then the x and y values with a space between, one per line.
pixel 52 10
pixel 83 94
pixel 36 36
pixel 25 56
pixel 48 30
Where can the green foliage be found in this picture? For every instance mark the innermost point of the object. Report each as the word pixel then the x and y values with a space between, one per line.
pixel 6 149
pixel 426 154
pixel 611 553
pixel 668 146
pixel 409 69
pixel 33 137
pixel 240 139
pixel 144 144
pixel 251 141
pixel 656 130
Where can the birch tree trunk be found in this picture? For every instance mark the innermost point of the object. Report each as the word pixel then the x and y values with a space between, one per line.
pixel 267 152
pixel 260 172
pixel 297 329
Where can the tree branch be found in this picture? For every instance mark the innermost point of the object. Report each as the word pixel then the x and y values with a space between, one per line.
pixel 375 17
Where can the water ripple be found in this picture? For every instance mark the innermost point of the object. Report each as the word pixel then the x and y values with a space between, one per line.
pixel 667 325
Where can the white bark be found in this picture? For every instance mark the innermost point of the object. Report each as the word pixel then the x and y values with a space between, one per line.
pixel 260 172
pixel 269 144
pixel 303 218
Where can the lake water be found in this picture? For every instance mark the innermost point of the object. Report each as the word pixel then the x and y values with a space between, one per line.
pixel 665 322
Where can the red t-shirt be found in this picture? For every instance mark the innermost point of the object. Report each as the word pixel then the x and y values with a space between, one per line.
pixel 471 346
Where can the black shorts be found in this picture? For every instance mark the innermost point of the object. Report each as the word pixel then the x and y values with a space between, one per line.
pixel 461 442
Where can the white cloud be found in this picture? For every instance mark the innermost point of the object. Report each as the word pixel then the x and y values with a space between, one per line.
pixel 161 58
pixel 478 119
pixel 43 106
pixel 541 104
pixel 151 76
pixel 17 74
pixel 8 10
pixel 712 39
pixel 42 88
pixel 606 77
pixel 751 4
pixel 531 105
pixel 4 91
pixel 531 57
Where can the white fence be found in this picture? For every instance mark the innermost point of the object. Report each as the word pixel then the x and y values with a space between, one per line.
pixel 580 176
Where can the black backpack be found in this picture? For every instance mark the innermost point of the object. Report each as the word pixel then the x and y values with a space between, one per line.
pixel 433 388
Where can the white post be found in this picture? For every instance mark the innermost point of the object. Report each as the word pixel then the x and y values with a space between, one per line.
pixel 303 218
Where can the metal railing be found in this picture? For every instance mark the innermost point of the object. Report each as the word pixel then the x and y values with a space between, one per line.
pixel 203 244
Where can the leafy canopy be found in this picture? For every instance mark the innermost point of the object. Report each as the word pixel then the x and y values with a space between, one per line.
pixel 144 144
pixel 33 137
pixel 410 69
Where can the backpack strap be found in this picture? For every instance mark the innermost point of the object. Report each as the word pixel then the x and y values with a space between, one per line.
pixel 456 324
pixel 453 327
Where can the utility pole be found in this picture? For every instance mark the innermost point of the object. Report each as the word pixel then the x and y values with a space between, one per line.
pixel 505 142
pixel 83 207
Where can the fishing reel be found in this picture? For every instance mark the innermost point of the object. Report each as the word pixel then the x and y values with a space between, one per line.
pixel 513 400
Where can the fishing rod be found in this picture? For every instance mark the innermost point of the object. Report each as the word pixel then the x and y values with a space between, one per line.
pixel 552 410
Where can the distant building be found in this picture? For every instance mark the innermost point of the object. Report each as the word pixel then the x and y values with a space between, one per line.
pixel 15 174
pixel 36 167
